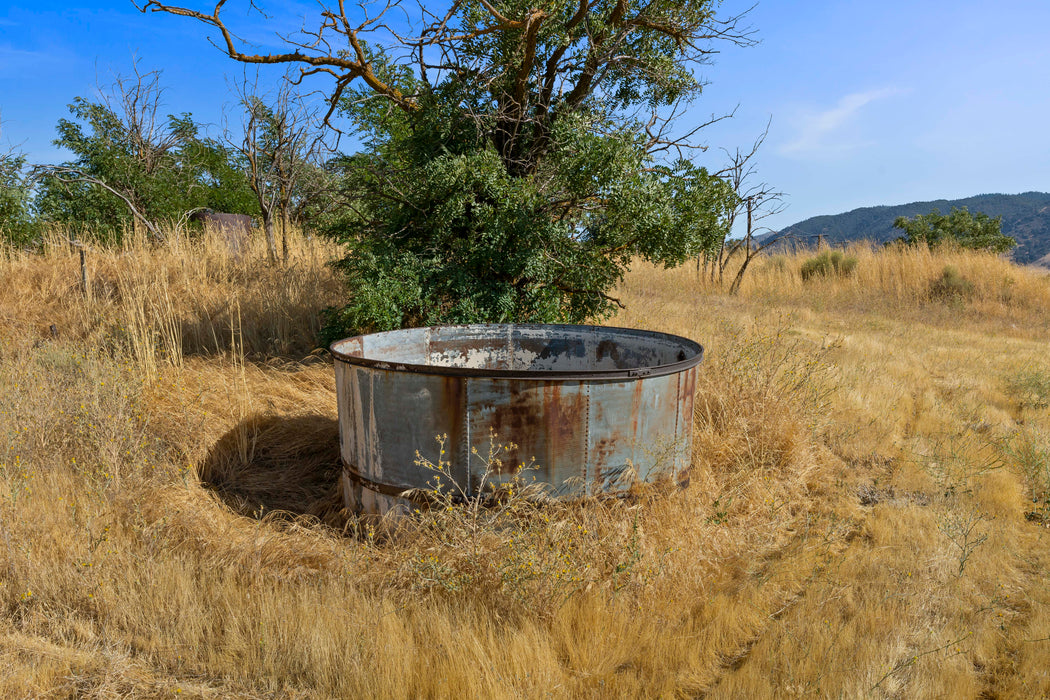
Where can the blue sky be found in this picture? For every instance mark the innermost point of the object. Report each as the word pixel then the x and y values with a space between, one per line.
pixel 871 102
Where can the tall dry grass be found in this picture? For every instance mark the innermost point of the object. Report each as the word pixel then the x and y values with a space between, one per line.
pixel 899 282
pixel 865 518
pixel 189 296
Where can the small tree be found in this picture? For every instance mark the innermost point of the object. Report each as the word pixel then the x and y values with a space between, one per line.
pixel 16 221
pixel 132 164
pixel 125 164
pixel 755 202
pixel 960 227
pixel 278 143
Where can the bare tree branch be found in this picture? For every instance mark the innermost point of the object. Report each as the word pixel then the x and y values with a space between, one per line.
pixel 357 67
pixel 279 136
pixel 69 175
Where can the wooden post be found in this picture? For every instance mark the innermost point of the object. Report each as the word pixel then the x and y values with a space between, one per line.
pixel 83 271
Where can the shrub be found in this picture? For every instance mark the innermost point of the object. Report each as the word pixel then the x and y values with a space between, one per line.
pixel 951 285
pixel 1029 449
pixel 960 227
pixel 1031 387
pixel 829 263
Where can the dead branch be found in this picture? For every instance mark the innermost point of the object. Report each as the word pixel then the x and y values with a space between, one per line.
pixel 70 175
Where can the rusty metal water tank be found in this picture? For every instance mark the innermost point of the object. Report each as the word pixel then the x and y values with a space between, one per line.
pixel 594 407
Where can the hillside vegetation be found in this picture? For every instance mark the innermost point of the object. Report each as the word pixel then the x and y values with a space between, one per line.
pixel 1026 218
pixel 867 514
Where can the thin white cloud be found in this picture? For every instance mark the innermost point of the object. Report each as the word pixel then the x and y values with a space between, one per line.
pixel 15 61
pixel 10 53
pixel 816 130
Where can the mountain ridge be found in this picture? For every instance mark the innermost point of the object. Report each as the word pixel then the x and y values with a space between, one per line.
pixel 1025 216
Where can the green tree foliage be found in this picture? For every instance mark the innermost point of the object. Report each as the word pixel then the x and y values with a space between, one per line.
pixel 517 156
pixel 450 235
pixel 16 220
pixel 132 164
pixel 220 172
pixel 116 173
pixel 960 227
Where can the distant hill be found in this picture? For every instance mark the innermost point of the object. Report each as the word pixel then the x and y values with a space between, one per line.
pixel 1026 217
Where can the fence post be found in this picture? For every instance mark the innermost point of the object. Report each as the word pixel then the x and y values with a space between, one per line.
pixel 83 269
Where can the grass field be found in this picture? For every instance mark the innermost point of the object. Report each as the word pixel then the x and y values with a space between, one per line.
pixel 867 515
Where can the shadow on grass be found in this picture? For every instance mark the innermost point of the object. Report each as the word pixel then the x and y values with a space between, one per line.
pixel 287 464
pixel 259 336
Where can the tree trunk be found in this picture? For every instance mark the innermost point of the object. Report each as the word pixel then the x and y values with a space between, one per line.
pixel 285 223
pixel 748 254
pixel 271 241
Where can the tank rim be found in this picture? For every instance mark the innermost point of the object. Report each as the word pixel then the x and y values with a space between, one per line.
pixel 633 373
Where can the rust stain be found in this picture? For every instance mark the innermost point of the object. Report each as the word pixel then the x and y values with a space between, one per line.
pixel 565 413
pixel 686 400
pixel 603 449
pixel 607 348
pixel 514 424
pixel 546 421
pixel 452 404
pixel 636 406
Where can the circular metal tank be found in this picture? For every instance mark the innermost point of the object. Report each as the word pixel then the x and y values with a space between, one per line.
pixel 592 408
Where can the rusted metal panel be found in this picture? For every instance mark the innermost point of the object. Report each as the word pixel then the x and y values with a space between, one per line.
pixel 542 424
pixel 233 228
pixel 633 432
pixel 590 408
pixel 387 417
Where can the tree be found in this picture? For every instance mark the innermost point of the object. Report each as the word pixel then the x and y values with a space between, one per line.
pixel 755 202
pixel 260 169
pixel 517 157
pixel 960 227
pixel 316 195
pixel 132 165
pixel 220 175
pixel 16 222
pixel 125 158
pixel 279 141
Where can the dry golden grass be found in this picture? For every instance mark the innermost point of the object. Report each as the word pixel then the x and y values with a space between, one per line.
pixel 159 304
pixel 866 516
